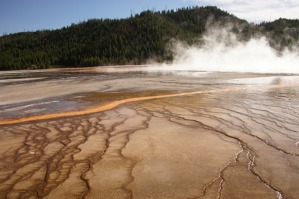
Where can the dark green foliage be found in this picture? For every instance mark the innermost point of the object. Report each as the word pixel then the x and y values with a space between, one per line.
pixel 124 41
pixel 283 33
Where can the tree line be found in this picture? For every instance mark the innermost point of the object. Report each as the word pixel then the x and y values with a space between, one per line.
pixel 127 41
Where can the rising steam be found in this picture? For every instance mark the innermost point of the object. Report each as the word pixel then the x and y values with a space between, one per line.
pixel 220 50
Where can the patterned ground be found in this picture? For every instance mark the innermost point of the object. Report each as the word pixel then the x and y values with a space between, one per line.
pixel 235 144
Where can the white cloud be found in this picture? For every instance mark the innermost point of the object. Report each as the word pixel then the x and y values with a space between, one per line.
pixel 257 10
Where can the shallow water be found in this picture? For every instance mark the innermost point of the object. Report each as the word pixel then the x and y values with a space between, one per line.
pixel 237 137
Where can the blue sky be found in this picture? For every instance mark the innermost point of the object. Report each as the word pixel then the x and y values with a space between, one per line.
pixel 27 15
pixel 20 15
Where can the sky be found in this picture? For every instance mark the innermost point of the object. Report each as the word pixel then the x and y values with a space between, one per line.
pixel 31 15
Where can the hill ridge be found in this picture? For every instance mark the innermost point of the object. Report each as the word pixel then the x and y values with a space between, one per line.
pixel 132 40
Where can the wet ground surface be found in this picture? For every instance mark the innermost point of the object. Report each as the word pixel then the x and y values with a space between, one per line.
pixel 237 138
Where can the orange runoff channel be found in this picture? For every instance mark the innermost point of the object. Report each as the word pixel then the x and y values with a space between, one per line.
pixel 115 104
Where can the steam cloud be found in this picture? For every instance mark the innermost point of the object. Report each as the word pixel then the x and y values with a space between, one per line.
pixel 220 50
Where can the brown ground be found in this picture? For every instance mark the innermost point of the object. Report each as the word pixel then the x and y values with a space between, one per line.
pixel 235 144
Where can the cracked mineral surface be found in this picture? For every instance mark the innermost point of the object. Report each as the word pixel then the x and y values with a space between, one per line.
pixel 115 133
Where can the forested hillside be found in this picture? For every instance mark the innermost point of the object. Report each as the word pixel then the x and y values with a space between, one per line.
pixel 129 41
pixel 282 33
